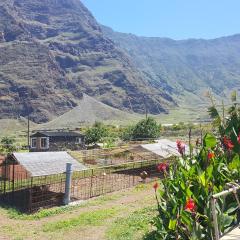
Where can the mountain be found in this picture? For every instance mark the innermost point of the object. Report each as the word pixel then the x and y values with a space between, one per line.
pixel 54 51
pixel 187 68
pixel 89 111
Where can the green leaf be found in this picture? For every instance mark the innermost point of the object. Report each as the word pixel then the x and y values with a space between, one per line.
pixel 202 179
pixel 186 218
pixel 182 184
pixel 172 224
pixel 213 112
pixel 209 171
pixel 234 96
pixel 232 209
pixel 188 192
pixel 225 221
pixel 235 164
pixel 209 141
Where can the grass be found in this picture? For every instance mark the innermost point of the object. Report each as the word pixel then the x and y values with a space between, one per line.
pixel 45 213
pixel 135 226
pixel 99 218
pixel 141 187
pixel 94 218
pixel 15 214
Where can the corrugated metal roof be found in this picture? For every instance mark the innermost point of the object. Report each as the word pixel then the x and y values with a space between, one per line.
pixel 58 134
pixel 164 148
pixel 47 163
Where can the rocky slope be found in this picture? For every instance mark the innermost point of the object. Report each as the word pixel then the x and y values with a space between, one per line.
pixel 184 67
pixel 53 51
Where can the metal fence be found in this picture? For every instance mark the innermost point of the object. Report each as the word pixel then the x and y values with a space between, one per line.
pixel 112 156
pixel 29 194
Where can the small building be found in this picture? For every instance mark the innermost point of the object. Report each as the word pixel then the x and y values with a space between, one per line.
pixel 36 164
pixel 20 166
pixel 164 148
pixel 43 141
pixel 34 180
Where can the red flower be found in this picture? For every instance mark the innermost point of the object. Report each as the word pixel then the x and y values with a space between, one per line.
pixel 228 143
pixel 155 186
pixel 162 167
pixel 210 155
pixel 190 205
pixel 180 147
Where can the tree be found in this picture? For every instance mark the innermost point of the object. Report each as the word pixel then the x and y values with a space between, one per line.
pixel 146 128
pixel 127 133
pixel 7 145
pixel 96 133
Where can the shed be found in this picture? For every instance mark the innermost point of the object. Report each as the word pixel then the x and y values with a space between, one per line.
pixel 164 148
pixel 46 163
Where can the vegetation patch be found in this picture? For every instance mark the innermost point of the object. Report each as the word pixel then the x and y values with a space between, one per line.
pixel 13 213
pixel 133 227
pixel 188 186
pixel 94 218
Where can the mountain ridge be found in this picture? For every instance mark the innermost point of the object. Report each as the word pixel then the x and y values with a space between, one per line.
pixel 81 58
pixel 192 65
pixel 54 51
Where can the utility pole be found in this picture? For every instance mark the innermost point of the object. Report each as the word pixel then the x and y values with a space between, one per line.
pixel 28 126
pixel 26 97
pixel 145 104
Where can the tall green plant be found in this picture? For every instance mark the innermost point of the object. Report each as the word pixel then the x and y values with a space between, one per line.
pixel 184 194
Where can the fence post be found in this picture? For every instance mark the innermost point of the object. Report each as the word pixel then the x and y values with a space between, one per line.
pixel 68 182
pixel 91 183
pixel 214 215
pixel 5 175
pixel 29 208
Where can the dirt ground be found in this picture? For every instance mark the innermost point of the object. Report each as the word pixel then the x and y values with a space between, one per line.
pixel 122 202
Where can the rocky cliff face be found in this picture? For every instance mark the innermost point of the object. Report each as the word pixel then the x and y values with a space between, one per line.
pixel 53 51
pixel 185 67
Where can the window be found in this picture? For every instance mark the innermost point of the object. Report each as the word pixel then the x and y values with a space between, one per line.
pixel 33 143
pixel 44 143
pixel 78 140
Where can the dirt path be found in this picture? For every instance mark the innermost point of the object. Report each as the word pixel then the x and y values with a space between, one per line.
pixel 124 202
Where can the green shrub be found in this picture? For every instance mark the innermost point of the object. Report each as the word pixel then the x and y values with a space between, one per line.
pixel 7 145
pixel 96 133
pixel 145 129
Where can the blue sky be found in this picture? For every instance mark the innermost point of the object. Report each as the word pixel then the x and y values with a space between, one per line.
pixel 177 19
